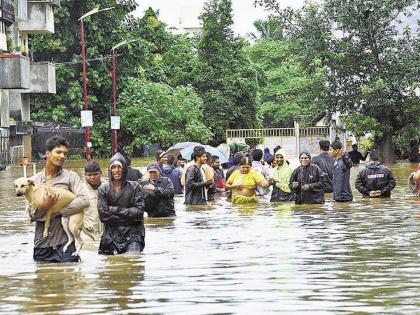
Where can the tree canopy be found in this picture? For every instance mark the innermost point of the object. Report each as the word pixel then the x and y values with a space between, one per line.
pixel 371 61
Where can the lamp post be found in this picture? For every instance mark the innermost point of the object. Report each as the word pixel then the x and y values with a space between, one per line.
pixel 88 124
pixel 115 120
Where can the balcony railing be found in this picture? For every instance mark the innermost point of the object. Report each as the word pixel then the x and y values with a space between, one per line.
pixel 7 13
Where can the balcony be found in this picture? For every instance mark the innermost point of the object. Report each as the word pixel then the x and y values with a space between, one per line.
pixel 40 17
pixel 21 10
pixel 7 13
pixel 19 106
pixel 14 72
pixel 42 76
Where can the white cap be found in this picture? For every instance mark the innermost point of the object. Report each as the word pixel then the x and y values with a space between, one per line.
pixel 115 163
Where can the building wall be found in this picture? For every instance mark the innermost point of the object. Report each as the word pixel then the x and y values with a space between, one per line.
pixel 19 76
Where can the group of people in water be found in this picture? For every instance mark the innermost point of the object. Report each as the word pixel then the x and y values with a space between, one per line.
pixel 114 209
pixel 250 178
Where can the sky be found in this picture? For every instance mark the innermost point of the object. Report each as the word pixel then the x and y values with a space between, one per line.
pixel 244 13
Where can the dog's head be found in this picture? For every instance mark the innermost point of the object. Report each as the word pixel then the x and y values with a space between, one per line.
pixel 22 185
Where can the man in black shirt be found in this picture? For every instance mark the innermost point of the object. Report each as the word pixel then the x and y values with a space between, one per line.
pixel 356 156
pixel 326 164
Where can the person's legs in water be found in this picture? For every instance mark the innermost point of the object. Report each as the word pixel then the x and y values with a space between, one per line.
pixel 134 248
pixel 51 255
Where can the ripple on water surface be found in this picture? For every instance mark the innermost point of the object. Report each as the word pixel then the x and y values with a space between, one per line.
pixel 360 257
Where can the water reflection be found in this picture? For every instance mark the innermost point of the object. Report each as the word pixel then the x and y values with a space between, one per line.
pixel 351 258
pixel 118 283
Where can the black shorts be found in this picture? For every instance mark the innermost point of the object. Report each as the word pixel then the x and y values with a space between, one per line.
pixel 54 255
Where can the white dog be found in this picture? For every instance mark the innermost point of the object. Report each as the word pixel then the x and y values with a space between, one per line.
pixel 71 225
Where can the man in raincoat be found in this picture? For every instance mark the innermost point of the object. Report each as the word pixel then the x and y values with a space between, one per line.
pixel 159 193
pixel 326 164
pixel 341 173
pixel 121 207
pixel 375 180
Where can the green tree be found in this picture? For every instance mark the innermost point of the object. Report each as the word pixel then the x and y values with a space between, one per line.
pixel 267 29
pixel 371 60
pixel 155 56
pixel 224 77
pixel 158 113
pixel 291 90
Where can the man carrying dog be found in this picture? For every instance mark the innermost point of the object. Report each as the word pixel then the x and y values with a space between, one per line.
pixel 121 208
pixel 50 248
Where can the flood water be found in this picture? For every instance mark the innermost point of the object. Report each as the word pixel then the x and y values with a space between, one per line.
pixel 355 258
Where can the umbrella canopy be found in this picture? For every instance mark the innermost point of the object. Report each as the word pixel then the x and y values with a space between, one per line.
pixel 225 149
pixel 174 150
pixel 186 153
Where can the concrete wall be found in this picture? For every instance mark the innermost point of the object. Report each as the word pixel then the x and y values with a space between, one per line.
pixel 42 77
pixel 4 108
pixel 40 18
pixel 19 106
pixel 3 38
pixel 14 72
pixel 21 10
pixel 288 144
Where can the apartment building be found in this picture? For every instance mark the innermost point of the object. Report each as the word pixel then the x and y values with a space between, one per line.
pixel 19 75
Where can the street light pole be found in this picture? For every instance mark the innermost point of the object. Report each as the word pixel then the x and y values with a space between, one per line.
pixel 114 92
pixel 85 96
pixel 114 87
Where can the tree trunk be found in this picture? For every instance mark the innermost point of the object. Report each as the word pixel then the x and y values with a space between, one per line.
pixel 386 148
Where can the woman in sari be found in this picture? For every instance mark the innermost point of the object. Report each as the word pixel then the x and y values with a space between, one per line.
pixel 243 183
pixel 280 179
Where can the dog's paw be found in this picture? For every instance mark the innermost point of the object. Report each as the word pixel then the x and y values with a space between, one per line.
pixel 45 234
pixel 65 248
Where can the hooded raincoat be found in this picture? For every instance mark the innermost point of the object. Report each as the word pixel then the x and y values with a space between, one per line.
pixel 341 179
pixel 326 164
pixel 282 174
pixel 121 212
pixel 314 177
pixel 174 175
pixel 375 176
pixel 160 201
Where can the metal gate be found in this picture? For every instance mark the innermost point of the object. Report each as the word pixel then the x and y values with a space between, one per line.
pixel 4 146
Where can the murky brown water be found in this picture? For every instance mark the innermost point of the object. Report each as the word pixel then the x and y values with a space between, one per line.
pixel 355 258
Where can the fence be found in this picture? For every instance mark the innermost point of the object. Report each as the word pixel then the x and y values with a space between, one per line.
pixel 75 137
pixel 260 133
pixel 322 131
